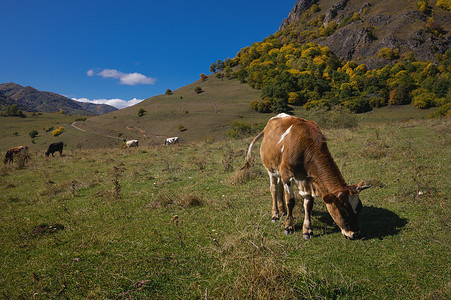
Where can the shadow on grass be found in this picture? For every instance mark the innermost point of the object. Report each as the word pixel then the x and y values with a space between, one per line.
pixel 377 223
pixel 374 222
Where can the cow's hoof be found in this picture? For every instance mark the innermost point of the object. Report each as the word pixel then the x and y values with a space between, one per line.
pixel 275 219
pixel 289 230
pixel 307 235
pixel 284 213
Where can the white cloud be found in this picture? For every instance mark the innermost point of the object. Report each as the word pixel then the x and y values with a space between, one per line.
pixel 124 78
pixel 118 103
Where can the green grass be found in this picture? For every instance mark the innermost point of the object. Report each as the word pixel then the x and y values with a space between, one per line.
pixel 15 131
pixel 67 230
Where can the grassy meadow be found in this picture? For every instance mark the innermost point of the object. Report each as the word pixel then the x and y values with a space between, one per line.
pixel 14 131
pixel 181 222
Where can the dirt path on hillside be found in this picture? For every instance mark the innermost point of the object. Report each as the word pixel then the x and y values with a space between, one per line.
pixel 140 130
pixel 74 125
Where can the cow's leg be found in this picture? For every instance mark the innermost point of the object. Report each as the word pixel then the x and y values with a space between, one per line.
pixel 281 200
pixel 290 202
pixel 276 189
pixel 307 231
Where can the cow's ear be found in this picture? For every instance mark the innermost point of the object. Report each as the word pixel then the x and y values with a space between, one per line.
pixel 329 198
pixel 361 186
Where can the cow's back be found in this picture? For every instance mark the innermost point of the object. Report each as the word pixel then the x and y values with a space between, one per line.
pixel 288 139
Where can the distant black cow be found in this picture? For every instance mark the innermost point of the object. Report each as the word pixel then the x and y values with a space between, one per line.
pixel 58 146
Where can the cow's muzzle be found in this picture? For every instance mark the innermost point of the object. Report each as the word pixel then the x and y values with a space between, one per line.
pixel 351 235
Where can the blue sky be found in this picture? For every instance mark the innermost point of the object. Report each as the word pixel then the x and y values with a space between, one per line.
pixel 121 52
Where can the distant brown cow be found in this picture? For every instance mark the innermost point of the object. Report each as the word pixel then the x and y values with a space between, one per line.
pixel 294 151
pixel 11 153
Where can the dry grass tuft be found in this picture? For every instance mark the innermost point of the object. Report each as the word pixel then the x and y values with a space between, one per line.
pixel 375 150
pixel 244 175
pixel 190 200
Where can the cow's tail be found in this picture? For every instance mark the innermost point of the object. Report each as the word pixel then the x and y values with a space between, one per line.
pixel 248 160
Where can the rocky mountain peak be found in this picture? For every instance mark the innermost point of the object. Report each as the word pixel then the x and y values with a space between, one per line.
pixel 296 12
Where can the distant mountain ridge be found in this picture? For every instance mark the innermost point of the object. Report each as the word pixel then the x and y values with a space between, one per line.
pixel 32 100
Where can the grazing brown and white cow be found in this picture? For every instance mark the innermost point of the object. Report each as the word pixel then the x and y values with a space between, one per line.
pixel 294 151
pixel 12 152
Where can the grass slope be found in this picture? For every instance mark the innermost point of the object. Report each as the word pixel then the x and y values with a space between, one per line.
pixel 15 131
pixel 204 115
pixel 174 222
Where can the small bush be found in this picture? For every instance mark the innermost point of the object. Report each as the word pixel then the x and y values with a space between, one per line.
pixel 203 77
pixel 168 92
pixel 198 90
pixel 424 100
pixel 388 53
pixel 434 26
pixel 240 129
pixel 445 4
pixel 33 134
pixel 443 111
pixel 58 131
pixel 377 102
pixel 141 112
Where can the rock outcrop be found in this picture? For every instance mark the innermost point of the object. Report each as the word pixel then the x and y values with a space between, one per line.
pixel 364 27
pixel 296 12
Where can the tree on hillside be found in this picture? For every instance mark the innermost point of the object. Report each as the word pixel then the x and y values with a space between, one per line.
pixel 13 110
pixel 141 112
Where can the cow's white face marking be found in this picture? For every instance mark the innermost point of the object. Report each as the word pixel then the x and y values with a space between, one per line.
pixel 354 201
pixel 348 234
pixel 285 134
pixel 281 150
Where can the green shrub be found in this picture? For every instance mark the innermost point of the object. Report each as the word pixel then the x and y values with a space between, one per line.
pixel 58 131
pixel 388 53
pixel 181 127
pixel 33 134
pixel 240 129
pixel 424 100
pixel 442 111
pixel 445 4
pixel 141 112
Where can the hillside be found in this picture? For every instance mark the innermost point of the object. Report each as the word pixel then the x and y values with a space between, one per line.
pixel 356 30
pixel 33 100
pixel 204 115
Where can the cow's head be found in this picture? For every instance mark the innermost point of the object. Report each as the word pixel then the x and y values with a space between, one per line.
pixel 47 153
pixel 344 208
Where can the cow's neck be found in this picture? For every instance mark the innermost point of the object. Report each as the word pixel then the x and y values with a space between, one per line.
pixel 326 174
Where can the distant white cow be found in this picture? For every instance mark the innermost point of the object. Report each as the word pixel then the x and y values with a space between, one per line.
pixel 172 140
pixel 131 143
